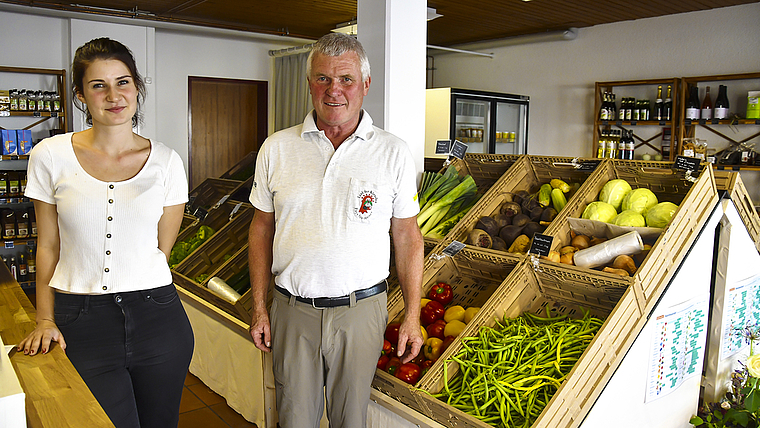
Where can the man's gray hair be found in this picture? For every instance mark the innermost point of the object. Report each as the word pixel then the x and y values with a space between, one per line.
pixel 336 44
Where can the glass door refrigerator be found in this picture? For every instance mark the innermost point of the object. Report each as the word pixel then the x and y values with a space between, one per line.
pixel 488 122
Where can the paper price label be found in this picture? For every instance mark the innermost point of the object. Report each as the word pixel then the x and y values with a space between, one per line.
pixel 452 249
pixel 541 244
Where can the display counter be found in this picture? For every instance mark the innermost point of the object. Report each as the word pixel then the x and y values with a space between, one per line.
pixel 56 396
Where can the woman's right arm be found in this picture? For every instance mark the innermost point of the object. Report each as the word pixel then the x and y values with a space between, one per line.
pixel 48 244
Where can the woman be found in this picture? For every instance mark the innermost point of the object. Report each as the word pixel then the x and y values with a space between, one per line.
pixel 109 206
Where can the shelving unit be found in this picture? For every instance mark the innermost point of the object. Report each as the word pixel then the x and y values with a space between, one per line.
pixel 638 87
pixel 720 128
pixel 30 120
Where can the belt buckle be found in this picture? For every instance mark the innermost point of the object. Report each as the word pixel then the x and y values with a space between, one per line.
pixel 317 307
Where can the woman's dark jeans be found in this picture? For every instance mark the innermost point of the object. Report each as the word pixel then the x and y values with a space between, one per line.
pixel 132 349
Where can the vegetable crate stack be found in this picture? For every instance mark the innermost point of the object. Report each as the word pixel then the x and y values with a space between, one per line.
pixel 525 200
pixel 213 244
pixel 733 184
pixel 443 202
pixel 454 288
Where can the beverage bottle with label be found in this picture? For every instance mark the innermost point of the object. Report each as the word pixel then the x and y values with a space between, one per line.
pixel 721 104
pixel 621 148
pixel 707 107
pixel 23 224
pixel 23 273
pixel 31 262
pixel 9 223
pixel 613 107
pixel 692 104
pixel 604 112
pixel 658 104
pixel 14 268
pixel 630 145
pixel 602 145
pixel 13 93
pixel 32 223
pixel 611 145
pixel 668 106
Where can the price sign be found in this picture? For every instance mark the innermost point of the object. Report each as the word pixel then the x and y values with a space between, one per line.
pixel 663 123
pixel 458 149
pixel 620 123
pixel 9 244
pixel 702 121
pixel 715 122
pixel 686 163
pixel 541 244
pixel 442 147
pixel 757 121
pixel 452 249
pixel 687 122
pixel 37 114
pixel 53 114
pixel 588 165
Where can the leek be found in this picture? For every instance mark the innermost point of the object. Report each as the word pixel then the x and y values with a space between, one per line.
pixel 445 181
pixel 452 218
pixel 466 186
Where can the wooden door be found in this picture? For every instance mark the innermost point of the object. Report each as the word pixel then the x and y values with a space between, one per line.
pixel 227 120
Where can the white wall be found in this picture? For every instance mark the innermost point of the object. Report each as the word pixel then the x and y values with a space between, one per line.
pixel 42 41
pixel 559 76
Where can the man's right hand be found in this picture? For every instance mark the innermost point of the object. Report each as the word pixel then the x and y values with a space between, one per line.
pixel 260 331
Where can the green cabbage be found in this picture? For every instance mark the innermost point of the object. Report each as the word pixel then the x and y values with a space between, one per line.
pixel 661 214
pixel 614 191
pixel 629 218
pixel 639 200
pixel 600 211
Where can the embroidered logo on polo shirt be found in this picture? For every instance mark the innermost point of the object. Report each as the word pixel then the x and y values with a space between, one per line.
pixel 367 198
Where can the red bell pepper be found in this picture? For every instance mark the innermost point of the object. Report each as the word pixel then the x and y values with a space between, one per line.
pixel 393 364
pixel 382 362
pixel 391 333
pixel 441 293
pixel 426 366
pixel 409 373
pixel 431 313
pixel 436 329
pixel 448 340
pixel 387 348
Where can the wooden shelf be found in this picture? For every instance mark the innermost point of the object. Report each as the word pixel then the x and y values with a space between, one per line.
pixel 42 116
pixel 736 167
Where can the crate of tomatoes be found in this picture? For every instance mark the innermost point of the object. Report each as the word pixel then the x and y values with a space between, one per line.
pixel 454 290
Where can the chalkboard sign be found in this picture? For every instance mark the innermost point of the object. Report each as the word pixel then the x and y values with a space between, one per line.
pixel 458 149
pixel 452 249
pixel 541 244
pixel 686 163
pixel 588 165
pixel 442 147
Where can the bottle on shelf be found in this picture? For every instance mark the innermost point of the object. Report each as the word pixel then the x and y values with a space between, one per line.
pixel 611 145
pixel 604 113
pixel 707 108
pixel 31 100
pixel 613 107
pixel 23 273
pixel 14 268
pixel 9 223
pixel 13 93
pixel 721 104
pixel 623 108
pixel 621 147
pixel 22 100
pixel 658 105
pixel 22 228
pixel 630 145
pixel 601 150
pixel 692 104
pixel 31 262
pixel 32 223
pixel 667 107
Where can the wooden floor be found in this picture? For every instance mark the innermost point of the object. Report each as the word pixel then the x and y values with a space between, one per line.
pixel 203 408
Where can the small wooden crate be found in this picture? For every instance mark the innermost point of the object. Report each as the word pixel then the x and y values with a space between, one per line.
pixel 243 170
pixel 228 246
pixel 215 219
pixel 533 290
pixel 210 192
pixel 528 174
pixel 474 277
pixel 731 182
pixel 696 200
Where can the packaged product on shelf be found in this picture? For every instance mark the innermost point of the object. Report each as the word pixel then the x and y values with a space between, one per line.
pixel 13 184
pixel 32 222
pixel 24 141
pixel 5 100
pixel 3 185
pixel 753 105
pixel 23 224
pixel 9 223
pixel 13 99
pixel 9 141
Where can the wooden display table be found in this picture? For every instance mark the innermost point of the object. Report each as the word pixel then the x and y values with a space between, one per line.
pixel 56 396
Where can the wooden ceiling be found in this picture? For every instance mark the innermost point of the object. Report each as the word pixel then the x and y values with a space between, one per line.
pixel 463 21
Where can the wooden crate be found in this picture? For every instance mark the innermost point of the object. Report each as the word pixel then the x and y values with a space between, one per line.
pixel 243 170
pixel 215 219
pixel 696 200
pixel 532 290
pixel 229 246
pixel 210 192
pixel 473 275
pixel 528 174
pixel 731 182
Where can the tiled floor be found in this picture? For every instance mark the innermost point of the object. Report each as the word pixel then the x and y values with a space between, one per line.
pixel 203 408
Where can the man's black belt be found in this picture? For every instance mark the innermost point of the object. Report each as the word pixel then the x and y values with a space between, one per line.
pixel 331 302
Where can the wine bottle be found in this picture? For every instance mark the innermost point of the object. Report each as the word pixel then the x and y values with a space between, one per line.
pixel 621 152
pixel 613 107
pixel 630 145
pixel 692 105
pixel 668 106
pixel 707 108
pixel 721 104
pixel 658 107
pixel 602 145
pixel 604 111
pixel 23 274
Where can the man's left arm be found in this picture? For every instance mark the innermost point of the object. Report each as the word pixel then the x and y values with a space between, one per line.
pixel 409 256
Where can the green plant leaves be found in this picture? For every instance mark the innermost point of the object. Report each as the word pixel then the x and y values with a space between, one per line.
pixel 752 402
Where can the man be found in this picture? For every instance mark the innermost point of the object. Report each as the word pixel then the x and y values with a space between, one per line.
pixel 326 193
